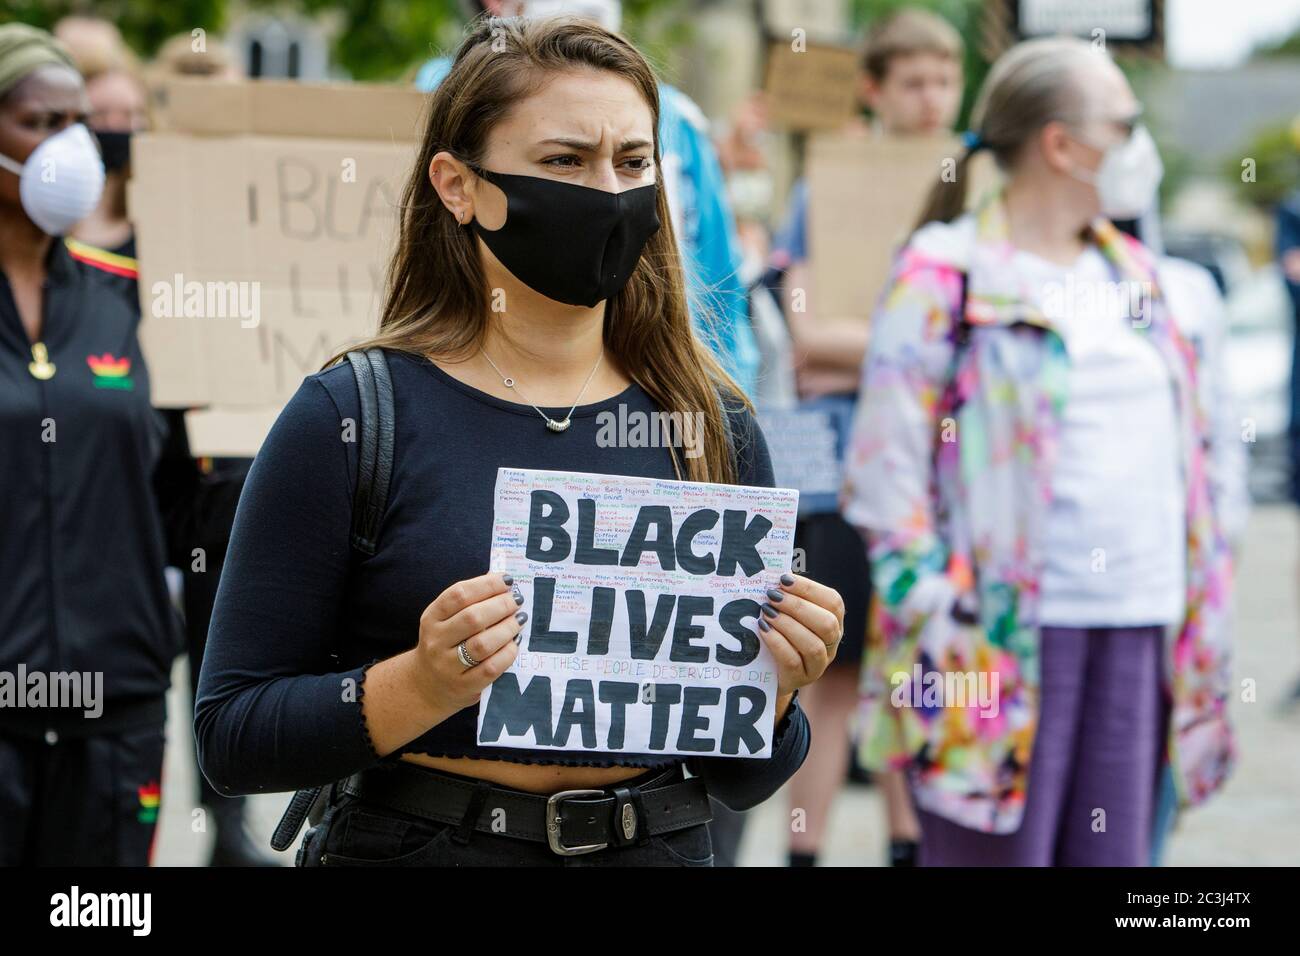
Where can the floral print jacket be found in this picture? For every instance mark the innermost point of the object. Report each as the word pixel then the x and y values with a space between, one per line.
pixel 948 475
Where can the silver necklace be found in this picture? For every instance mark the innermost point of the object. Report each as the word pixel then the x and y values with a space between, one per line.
pixel 551 423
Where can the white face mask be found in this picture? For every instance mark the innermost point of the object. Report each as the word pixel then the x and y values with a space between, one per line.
pixel 62 180
pixel 750 191
pixel 1128 177
pixel 608 13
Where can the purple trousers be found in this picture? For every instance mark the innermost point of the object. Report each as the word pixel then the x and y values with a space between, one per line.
pixel 1094 768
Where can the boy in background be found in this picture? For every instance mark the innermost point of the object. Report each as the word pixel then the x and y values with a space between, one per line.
pixel 910 80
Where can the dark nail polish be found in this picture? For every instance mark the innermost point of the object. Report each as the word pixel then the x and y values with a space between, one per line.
pixel 787 579
pixel 769 610
pixel 519 598
pixel 774 595
pixel 521 616
pixel 762 623
pixel 507 579
pixel 519 637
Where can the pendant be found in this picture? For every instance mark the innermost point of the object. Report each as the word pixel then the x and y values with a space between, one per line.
pixel 555 426
pixel 42 368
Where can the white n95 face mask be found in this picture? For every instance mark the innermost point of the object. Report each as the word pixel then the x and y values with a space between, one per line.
pixel 1128 178
pixel 62 180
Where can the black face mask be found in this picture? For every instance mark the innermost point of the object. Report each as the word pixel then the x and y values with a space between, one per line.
pixel 115 147
pixel 571 243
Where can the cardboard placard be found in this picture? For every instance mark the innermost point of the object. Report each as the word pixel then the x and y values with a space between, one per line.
pixel 865 195
pixel 810 88
pixel 286 108
pixel 264 215
pixel 825 20
pixel 229 432
pixel 643 597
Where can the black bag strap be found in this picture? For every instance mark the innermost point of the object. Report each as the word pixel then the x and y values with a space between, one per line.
pixel 374 446
pixel 375 439
pixel 951 400
pixel 291 822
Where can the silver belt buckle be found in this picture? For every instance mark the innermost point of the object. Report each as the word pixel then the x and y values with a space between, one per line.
pixel 553 835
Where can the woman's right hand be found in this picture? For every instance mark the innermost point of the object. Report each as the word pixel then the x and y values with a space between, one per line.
pixel 484 613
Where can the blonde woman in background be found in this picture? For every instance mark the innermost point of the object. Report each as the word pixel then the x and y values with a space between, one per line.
pixel 1047 469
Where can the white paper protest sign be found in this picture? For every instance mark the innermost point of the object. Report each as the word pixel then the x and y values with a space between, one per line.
pixel 807 444
pixel 643 598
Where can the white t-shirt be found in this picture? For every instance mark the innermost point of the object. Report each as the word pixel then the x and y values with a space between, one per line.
pixel 1115 541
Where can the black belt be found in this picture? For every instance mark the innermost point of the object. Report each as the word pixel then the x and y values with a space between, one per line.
pixel 570 822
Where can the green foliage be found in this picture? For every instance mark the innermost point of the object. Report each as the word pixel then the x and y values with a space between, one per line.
pixel 1288 46
pixel 1276 167
pixel 1180 166
pixel 388 39
pixel 380 39
pixel 145 24
pixel 661 29
pixel 375 39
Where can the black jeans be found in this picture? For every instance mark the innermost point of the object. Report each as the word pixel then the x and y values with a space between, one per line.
pixel 352 832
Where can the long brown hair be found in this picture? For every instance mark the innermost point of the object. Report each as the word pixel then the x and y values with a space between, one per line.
pixel 437 297
pixel 1030 85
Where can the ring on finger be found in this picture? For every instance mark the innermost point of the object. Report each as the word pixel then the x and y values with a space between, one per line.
pixel 463 654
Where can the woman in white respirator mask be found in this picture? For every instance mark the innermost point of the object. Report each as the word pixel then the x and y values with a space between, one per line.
pixel 61 181
pixel 62 176
pixel 1129 174
pixel 1046 467
pixel 87 634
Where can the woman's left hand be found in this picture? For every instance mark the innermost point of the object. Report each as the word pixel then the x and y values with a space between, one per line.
pixel 802 624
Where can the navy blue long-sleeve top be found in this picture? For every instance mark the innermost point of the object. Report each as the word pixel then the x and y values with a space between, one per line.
pixel 300 614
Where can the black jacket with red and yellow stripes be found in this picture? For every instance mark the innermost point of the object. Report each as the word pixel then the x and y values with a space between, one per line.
pixel 81 538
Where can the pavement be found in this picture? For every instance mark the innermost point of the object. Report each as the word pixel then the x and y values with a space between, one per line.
pixel 1253 821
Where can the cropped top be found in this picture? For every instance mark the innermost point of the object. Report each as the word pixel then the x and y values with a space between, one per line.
pixel 301 615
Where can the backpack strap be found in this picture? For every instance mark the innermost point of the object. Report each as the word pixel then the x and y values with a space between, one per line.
pixel 374 472
pixel 375 446
pixel 963 610
pixel 961 331
pixel 960 336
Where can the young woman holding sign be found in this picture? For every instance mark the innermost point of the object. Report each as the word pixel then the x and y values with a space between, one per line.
pixel 536 270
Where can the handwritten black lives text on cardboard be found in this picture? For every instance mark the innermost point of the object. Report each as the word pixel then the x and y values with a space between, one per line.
pixel 643 599
pixel 265 214
pixel 865 193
